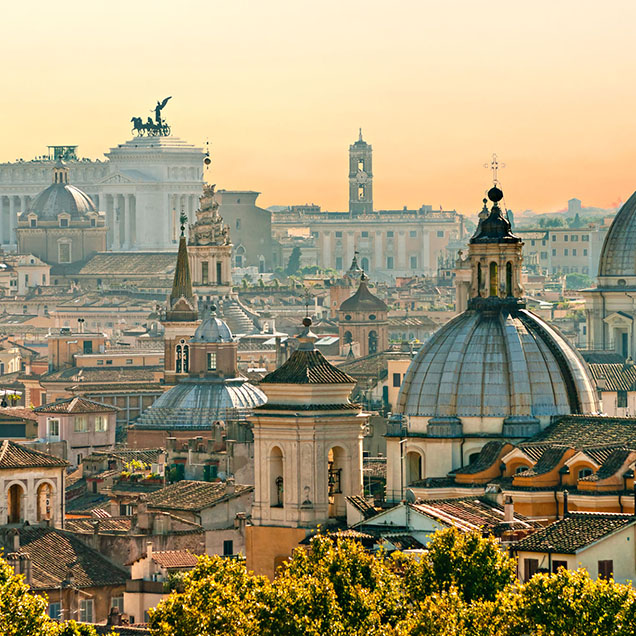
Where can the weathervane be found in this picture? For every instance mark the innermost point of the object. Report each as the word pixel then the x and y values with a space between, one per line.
pixel 494 165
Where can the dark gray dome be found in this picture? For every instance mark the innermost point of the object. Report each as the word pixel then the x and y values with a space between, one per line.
pixel 212 329
pixel 61 197
pixel 484 364
pixel 198 402
pixel 618 256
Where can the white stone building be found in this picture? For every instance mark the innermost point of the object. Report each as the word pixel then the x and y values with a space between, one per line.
pixel 142 187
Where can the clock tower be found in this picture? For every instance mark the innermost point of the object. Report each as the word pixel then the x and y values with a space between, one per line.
pixel 360 178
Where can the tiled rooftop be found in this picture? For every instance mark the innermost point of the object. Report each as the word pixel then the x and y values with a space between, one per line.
pixel 14 455
pixel 575 532
pixel 307 367
pixel 192 495
pixel 76 405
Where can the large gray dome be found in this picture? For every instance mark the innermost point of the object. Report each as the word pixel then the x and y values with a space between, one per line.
pixel 62 197
pixel 497 364
pixel 618 256
pixel 196 403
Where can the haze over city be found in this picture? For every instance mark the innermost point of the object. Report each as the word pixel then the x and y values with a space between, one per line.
pixel 280 89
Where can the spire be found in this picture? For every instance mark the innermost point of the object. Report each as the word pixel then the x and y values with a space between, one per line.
pixel 360 135
pixel 182 304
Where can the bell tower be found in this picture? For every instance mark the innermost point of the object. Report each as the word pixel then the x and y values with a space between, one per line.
pixel 360 177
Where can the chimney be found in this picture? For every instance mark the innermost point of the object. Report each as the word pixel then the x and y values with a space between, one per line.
pixel 565 504
pixel 509 509
pixel 230 486
pixel 149 549
pixel 16 540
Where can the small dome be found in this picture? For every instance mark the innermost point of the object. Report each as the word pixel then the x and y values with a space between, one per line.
pixel 61 197
pixel 485 364
pixel 363 300
pixel 198 402
pixel 212 329
pixel 618 256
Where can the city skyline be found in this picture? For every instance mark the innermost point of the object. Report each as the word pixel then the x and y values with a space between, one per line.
pixel 281 94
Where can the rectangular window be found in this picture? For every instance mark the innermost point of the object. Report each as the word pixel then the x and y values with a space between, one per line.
pixel 413 234
pixel 565 252
pixel 129 361
pixel 101 423
pixel 621 399
pixel 554 237
pixel 532 242
pixel 397 379
pixel 530 567
pixel 440 233
pixel 212 361
pixel 553 252
pixel 118 602
pixel 63 222
pixel 338 234
pixel 228 548
pixel 544 255
pixel 109 361
pixel 365 235
pixel 585 237
pixel 87 346
pixel 360 192
pixel 64 252
pixel 389 262
pixel 574 252
pixel 389 234
pixel 605 569
pixel 565 238
pixel 559 564
pixel 54 428
pixel 54 611
pixel 86 610
pixel 584 252
pixel 100 363
pixel 80 425
pixel 33 223
pixel 413 262
pixel 338 262
pixel 574 238
pixel 204 272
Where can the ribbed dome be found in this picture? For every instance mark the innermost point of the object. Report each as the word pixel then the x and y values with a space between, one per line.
pixel 363 300
pixel 62 197
pixel 198 402
pixel 497 364
pixel 212 329
pixel 618 256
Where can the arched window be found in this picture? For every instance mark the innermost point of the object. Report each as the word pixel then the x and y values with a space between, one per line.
pixel 585 472
pixel 277 482
pixel 348 337
pixel 479 279
pixel 508 279
pixel 182 357
pixel 16 497
pixel 493 279
pixel 413 467
pixel 373 342
pixel 521 469
pixel 45 502
pixel 336 488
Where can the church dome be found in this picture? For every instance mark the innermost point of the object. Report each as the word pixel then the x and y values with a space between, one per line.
pixel 618 256
pixel 61 197
pixel 363 299
pixel 212 329
pixel 195 403
pixel 497 364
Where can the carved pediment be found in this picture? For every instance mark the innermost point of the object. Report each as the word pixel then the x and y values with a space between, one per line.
pixel 619 319
pixel 118 177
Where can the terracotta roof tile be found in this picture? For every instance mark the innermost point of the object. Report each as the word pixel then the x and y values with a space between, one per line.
pixel 54 553
pixel 76 405
pixel 13 455
pixel 486 458
pixel 170 559
pixel 193 495
pixel 575 532
pixel 307 367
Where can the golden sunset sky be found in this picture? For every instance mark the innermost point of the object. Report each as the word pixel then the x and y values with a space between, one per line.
pixel 280 87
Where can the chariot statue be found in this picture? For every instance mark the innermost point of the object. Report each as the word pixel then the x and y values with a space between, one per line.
pixel 150 128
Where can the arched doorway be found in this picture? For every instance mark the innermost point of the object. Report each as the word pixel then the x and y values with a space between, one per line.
pixel 336 475
pixel 16 503
pixel 45 502
pixel 276 472
pixel 373 342
pixel 347 337
pixel 414 467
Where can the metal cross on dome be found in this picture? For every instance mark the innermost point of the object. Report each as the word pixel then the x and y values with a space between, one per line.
pixel 494 165
pixel 184 219
pixel 308 299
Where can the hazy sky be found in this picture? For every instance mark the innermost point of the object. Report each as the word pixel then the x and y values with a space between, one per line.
pixel 280 87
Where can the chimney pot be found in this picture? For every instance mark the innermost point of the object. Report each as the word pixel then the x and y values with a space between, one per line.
pixel 509 509
pixel 149 548
pixel 565 503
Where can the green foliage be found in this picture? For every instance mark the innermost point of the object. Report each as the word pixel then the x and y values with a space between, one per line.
pixel 293 264
pixel 578 281
pixel 464 585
